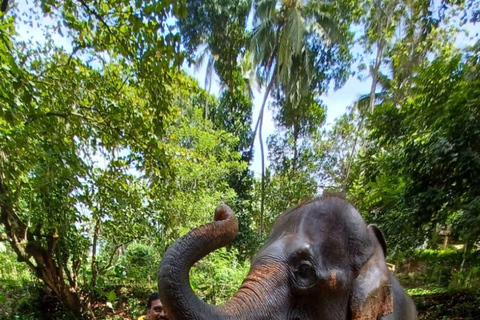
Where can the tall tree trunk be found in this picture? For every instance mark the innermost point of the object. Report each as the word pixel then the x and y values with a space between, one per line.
pixel 371 107
pixel 260 114
pixel 445 242
pixel 208 82
pixel 352 155
pixel 295 152
pixel 259 124
pixel 466 249
pixel 375 70
pixel 96 230
pixel 262 205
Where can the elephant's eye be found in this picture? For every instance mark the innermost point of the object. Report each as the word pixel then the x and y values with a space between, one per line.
pixel 304 268
pixel 305 276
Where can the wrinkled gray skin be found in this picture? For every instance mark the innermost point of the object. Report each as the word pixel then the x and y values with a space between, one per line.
pixel 321 262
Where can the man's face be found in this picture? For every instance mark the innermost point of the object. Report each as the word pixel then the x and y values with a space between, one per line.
pixel 156 311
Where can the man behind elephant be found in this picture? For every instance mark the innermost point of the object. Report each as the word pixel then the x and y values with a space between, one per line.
pixel 155 309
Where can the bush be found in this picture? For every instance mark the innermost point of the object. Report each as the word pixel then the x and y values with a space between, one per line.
pixel 30 300
pixel 439 268
pixel 141 264
pixel 468 279
pixel 136 267
pixel 218 276
pixel 10 269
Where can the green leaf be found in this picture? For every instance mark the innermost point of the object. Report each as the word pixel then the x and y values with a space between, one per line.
pixel 112 297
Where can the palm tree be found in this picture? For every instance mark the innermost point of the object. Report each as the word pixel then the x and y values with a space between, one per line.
pixel 365 105
pixel 205 54
pixel 382 17
pixel 280 42
pixel 250 74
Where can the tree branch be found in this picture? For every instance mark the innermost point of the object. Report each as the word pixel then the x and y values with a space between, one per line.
pixel 4 6
pixel 64 115
pixel 64 263
pixel 110 261
pixel 75 268
pixel 14 226
pixel 74 51
pixel 121 87
pixel 100 18
pixel 17 232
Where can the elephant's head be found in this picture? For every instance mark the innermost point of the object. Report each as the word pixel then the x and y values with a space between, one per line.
pixel 321 261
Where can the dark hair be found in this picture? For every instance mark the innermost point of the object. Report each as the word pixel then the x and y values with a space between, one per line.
pixel 153 297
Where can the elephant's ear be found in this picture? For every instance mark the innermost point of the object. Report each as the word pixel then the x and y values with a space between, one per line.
pixel 372 296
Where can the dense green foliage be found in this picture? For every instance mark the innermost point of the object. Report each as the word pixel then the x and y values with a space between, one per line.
pixel 91 161
pixel 109 152
pixel 423 157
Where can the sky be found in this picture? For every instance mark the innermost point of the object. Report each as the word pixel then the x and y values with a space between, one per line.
pixel 335 101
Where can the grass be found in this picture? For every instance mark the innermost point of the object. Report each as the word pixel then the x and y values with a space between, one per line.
pixel 425 291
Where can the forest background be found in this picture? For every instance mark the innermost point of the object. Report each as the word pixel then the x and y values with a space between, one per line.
pixel 113 144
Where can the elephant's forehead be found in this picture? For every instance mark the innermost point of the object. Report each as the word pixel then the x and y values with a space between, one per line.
pixel 319 218
pixel 327 226
pixel 313 232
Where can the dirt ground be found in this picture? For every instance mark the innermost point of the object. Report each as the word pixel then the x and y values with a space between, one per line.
pixel 449 306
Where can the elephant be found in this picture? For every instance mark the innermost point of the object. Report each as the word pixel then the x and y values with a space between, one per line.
pixel 321 261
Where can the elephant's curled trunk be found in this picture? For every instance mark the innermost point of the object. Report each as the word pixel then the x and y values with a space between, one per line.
pixel 173 280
